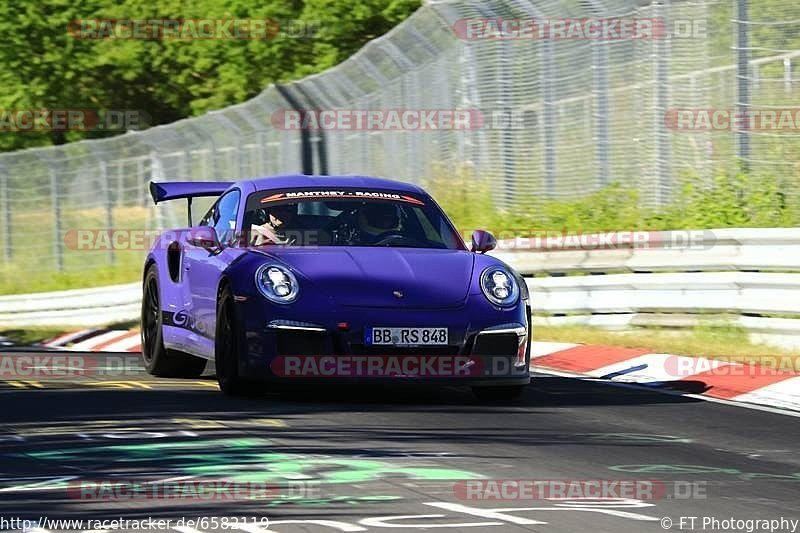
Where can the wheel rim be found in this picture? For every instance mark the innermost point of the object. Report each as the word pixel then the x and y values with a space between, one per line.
pixel 150 319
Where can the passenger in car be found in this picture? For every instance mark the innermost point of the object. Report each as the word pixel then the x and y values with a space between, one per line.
pixel 284 226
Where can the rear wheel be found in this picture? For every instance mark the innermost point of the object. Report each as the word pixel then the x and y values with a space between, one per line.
pixel 496 394
pixel 159 361
pixel 227 347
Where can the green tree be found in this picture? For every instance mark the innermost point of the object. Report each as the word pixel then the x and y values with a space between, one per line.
pixel 43 66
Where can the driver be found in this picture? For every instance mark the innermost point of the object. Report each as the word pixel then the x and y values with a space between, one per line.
pixel 376 220
pixel 282 226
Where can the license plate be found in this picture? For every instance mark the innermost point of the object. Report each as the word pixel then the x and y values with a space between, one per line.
pixel 407 336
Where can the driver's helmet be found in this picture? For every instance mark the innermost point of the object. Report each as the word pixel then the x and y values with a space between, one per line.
pixel 283 211
pixel 259 217
pixel 379 217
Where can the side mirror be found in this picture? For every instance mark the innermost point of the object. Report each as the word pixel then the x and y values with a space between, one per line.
pixel 483 241
pixel 204 237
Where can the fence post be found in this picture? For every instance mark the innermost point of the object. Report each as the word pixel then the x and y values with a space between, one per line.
pixel 109 205
pixel 58 248
pixel 155 174
pixel 661 58
pixel 306 151
pixel 414 153
pixel 787 74
pixel 743 81
pixel 120 183
pixel 600 82
pixel 8 250
pixel 546 55
pixel 319 137
pixel 506 63
pixel 600 96
pixel 141 200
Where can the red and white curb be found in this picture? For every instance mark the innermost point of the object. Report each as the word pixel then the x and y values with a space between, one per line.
pixel 701 377
pixel 709 378
pixel 98 340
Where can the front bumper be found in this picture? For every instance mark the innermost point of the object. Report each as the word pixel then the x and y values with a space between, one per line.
pixel 484 349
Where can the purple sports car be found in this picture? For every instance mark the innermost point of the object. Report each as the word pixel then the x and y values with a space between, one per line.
pixel 353 279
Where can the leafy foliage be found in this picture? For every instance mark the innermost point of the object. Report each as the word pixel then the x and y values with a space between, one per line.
pixel 732 200
pixel 45 67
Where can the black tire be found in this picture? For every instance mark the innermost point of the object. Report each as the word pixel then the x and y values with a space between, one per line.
pixel 499 394
pixel 227 346
pixel 159 361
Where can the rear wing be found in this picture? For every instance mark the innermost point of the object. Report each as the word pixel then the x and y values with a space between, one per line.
pixel 173 190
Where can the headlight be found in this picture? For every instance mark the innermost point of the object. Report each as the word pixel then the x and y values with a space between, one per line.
pixel 277 284
pixel 499 286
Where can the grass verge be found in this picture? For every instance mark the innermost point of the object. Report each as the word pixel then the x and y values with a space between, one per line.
pixel 35 335
pixel 32 335
pixel 727 342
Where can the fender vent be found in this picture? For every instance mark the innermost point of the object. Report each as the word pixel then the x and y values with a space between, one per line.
pixel 174 261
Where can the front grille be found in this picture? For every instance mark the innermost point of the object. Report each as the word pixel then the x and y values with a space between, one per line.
pixel 365 349
pixel 496 344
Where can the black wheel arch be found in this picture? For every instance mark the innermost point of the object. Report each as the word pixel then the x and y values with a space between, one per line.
pixel 147 264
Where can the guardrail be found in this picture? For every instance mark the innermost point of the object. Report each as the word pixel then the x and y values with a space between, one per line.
pixel 744 277
pixel 80 307
pixel 748 277
pixel 750 249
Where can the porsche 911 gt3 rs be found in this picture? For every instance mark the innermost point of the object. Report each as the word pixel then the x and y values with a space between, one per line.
pixel 344 278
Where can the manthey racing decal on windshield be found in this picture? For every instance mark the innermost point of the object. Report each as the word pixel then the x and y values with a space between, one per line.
pixel 351 194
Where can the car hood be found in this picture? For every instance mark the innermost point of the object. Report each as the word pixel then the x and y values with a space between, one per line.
pixel 370 276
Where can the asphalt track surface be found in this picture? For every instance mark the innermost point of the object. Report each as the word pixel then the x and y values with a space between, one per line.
pixel 364 459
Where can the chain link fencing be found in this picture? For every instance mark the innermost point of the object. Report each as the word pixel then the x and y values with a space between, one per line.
pixel 563 115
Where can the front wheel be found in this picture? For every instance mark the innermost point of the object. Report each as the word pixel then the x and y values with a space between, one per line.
pixel 227 346
pixel 159 361
pixel 496 394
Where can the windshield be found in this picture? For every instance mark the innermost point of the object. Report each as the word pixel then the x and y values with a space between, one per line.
pixel 346 217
